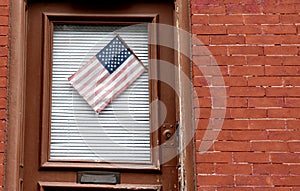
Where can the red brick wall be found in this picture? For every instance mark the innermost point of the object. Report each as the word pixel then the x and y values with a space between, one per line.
pixel 4 30
pixel 256 45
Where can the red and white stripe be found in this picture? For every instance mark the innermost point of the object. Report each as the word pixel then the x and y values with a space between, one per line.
pixel 98 87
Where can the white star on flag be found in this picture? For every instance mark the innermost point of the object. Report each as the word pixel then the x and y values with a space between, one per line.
pixel 107 74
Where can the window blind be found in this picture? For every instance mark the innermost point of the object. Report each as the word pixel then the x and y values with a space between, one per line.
pixel 121 132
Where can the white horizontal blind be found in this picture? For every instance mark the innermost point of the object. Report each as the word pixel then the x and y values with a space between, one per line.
pixel 121 132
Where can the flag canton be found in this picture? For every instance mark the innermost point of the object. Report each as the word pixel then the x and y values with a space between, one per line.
pixel 113 54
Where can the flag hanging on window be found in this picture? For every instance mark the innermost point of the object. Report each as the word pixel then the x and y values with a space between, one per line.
pixel 107 74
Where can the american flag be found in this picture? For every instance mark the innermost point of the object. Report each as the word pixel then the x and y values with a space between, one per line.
pixel 107 74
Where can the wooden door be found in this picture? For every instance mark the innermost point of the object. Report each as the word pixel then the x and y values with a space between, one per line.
pixel 42 171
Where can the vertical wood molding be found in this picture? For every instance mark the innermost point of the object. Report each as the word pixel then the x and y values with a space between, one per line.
pixel 187 155
pixel 16 96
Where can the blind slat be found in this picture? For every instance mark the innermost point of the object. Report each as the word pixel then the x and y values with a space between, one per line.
pixel 121 132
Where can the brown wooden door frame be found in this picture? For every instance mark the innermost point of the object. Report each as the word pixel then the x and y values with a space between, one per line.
pixel 17 66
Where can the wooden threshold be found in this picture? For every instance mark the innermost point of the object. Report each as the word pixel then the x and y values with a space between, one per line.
pixel 106 186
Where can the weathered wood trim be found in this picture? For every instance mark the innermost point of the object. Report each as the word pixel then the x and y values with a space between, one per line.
pixel 187 155
pixel 16 96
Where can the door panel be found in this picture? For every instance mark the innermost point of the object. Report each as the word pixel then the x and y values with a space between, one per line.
pixel 41 173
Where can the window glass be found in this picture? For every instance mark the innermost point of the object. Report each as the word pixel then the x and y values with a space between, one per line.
pixel 121 131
